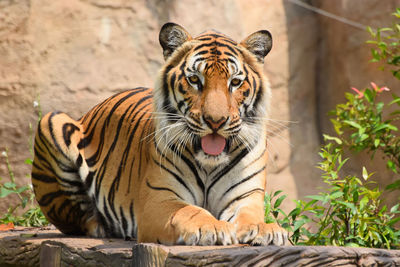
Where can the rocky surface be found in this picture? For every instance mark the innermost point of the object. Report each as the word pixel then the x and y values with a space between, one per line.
pixel 73 54
pixel 34 247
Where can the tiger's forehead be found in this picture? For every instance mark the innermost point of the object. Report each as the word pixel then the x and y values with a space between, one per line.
pixel 214 51
pixel 213 35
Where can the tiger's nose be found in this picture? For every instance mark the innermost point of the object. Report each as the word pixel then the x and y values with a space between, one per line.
pixel 215 124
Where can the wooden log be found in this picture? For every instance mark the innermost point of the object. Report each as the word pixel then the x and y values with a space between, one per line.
pixel 40 247
pixel 50 255
pixel 43 247
pixel 159 255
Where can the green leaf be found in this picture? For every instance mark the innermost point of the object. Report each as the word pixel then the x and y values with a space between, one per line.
pixel 393 221
pixel 380 127
pixel 279 201
pixel 391 165
pixel 377 142
pixel 348 205
pixel 355 196
pixel 294 213
pixel 332 138
pixel 9 185
pixel 371 31
pixel 395 208
pixel 385 29
pixel 322 198
pixel 365 173
pixel 298 224
pixel 396 100
pixel 336 194
pixel 23 188
pixel 363 136
pixel 353 124
pixel 29 161
pixel 337 126
pixel 369 96
pixel 393 186
pixel 353 245
pixel 5 192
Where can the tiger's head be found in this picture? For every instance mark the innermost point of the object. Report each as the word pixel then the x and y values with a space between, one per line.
pixel 211 96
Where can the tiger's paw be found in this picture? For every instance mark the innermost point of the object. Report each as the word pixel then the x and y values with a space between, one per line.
pixel 208 234
pixel 262 234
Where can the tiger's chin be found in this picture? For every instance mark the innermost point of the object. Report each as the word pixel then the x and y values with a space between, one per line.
pixel 210 160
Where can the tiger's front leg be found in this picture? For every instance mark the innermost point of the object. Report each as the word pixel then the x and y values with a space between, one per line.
pixel 251 228
pixel 164 217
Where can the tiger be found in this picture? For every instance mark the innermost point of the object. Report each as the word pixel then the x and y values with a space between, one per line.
pixel 181 164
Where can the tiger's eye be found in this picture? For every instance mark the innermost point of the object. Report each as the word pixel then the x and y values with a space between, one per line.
pixel 194 79
pixel 235 82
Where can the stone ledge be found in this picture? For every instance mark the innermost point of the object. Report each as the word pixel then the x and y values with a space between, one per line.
pixel 44 247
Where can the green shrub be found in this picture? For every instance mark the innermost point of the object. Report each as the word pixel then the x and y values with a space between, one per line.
pixel 31 215
pixel 350 211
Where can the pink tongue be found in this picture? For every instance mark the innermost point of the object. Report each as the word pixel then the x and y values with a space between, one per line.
pixel 213 144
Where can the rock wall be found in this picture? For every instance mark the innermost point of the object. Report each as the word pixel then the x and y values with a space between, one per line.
pixel 343 62
pixel 73 54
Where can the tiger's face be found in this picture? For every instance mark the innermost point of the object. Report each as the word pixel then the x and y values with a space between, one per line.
pixel 211 96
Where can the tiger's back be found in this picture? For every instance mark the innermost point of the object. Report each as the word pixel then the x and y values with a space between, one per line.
pixel 184 163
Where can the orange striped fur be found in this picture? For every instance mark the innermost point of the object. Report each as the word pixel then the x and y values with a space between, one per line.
pixel 183 163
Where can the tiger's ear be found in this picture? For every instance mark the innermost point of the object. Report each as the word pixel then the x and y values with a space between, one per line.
pixel 258 43
pixel 171 37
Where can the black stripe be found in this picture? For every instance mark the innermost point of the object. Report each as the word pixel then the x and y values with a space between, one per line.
pixel 166 158
pixel 239 198
pixel 107 218
pixel 218 44
pixel 197 60
pixel 163 189
pixel 166 102
pixel 201 53
pixel 124 222
pixel 259 95
pixel 132 216
pixel 172 85
pixel 89 179
pixel 204 39
pixel 178 178
pixel 125 155
pixel 225 170
pixel 68 129
pixel 79 161
pixel 48 152
pixel 181 90
pixel 191 167
pixel 48 198
pixel 129 145
pixel 192 125
pixel 51 130
pixel 262 153
pixel 115 183
pixel 180 105
pixel 242 181
pixel 93 159
pixel 222 37
pixel 44 178
pixel 230 55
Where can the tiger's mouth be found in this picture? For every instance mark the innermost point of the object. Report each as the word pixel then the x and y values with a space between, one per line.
pixel 211 144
